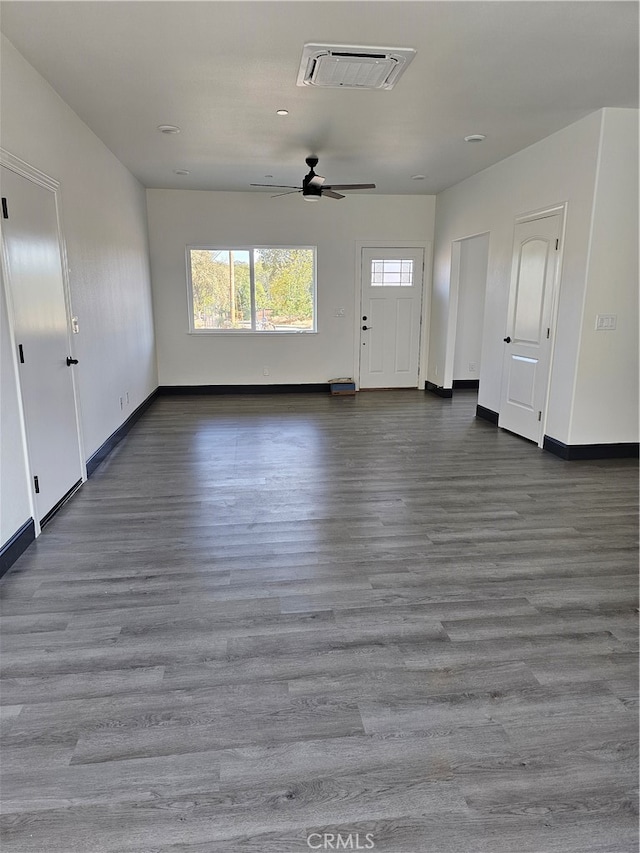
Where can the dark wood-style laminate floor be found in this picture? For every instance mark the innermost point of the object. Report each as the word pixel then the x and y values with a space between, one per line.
pixel 267 617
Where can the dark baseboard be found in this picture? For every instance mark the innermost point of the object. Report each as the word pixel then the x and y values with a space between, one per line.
pixel 570 452
pixel 487 415
pixel 107 446
pixel 438 390
pixel 319 387
pixel 17 545
pixel 466 384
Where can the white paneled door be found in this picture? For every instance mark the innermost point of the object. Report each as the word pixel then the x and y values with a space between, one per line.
pixel 391 306
pixel 527 350
pixel 40 321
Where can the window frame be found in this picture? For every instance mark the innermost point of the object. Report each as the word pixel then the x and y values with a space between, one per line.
pixel 250 249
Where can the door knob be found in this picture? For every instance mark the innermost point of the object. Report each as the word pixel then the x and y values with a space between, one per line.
pixel 71 361
pixel 507 340
pixel 366 328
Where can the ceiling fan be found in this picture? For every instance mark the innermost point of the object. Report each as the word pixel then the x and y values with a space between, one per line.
pixel 314 187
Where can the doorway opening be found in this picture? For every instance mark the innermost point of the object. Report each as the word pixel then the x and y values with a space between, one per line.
pixel 469 264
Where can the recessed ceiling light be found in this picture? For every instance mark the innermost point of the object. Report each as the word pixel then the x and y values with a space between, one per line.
pixel 168 128
pixel 418 177
pixel 181 172
pixel 282 112
pixel 475 137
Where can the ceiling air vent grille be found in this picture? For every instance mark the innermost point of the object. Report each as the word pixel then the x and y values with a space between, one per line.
pixel 342 66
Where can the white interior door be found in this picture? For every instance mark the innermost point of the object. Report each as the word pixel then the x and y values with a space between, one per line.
pixel 391 305
pixel 526 364
pixel 41 329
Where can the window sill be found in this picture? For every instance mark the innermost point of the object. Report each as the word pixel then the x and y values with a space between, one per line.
pixel 252 332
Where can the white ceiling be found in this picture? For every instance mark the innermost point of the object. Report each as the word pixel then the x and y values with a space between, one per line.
pixel 515 71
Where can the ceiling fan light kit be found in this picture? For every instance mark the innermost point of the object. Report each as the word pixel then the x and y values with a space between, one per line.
pixel 314 187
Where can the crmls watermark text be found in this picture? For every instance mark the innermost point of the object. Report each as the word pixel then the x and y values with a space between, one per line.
pixel 338 841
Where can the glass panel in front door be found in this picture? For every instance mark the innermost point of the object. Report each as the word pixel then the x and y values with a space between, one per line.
pixel 392 272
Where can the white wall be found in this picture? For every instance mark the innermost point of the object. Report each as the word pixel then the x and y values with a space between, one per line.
pixel 104 224
pixel 560 168
pixel 472 282
pixel 178 218
pixel 606 390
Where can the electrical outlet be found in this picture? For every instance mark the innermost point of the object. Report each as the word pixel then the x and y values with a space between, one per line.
pixel 121 403
pixel 606 322
pixel 340 312
pixel 473 366
pixel 265 371
pixel 127 398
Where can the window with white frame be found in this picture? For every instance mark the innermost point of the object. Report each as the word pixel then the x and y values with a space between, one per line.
pixel 252 289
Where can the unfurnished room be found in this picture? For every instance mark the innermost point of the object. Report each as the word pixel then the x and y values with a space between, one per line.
pixel 319 426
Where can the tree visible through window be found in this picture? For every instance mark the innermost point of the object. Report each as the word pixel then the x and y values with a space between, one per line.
pixel 266 289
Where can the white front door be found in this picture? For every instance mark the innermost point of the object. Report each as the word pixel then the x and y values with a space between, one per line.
pixel 391 306
pixel 527 351
pixel 36 291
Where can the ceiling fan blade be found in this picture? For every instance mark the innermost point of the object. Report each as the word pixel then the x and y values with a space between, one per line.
pixel 291 192
pixel 316 181
pixel 277 186
pixel 350 187
pixel 331 194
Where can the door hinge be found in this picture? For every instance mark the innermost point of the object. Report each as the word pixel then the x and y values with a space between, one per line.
pixel 21 353
pixel 557 244
pixel 548 333
pixel 5 209
pixel 36 485
pixel 539 416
